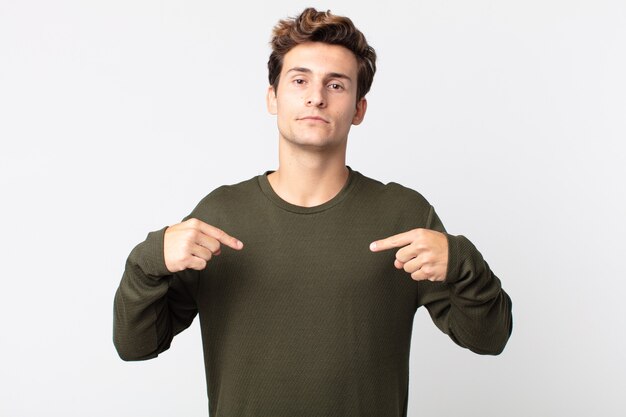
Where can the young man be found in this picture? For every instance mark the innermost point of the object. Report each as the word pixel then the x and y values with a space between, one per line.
pixel 306 279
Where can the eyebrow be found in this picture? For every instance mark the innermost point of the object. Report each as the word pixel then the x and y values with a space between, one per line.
pixel 329 75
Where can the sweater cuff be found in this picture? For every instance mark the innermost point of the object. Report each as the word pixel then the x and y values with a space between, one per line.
pixel 151 259
pixel 453 273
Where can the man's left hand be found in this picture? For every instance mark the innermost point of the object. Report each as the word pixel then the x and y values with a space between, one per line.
pixel 424 253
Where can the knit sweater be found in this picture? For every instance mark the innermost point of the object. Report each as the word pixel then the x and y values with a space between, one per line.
pixel 305 320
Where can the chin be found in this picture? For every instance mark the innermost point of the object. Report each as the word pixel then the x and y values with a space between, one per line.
pixel 316 141
pixel 313 141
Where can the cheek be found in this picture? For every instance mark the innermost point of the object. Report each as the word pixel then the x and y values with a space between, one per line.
pixel 286 103
pixel 345 117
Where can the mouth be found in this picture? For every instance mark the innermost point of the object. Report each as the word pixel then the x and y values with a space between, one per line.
pixel 313 119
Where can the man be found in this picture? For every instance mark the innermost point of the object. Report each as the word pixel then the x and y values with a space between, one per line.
pixel 306 279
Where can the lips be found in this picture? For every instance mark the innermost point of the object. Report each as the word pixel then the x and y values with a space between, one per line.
pixel 314 119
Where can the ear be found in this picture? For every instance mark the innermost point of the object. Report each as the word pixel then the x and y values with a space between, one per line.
pixel 270 100
pixel 361 108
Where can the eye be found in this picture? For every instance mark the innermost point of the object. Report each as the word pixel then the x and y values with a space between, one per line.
pixel 335 86
pixel 298 81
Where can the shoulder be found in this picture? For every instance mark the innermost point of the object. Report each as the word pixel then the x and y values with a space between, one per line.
pixel 392 193
pixel 232 192
pixel 405 206
pixel 225 199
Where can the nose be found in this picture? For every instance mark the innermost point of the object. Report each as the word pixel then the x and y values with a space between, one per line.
pixel 316 97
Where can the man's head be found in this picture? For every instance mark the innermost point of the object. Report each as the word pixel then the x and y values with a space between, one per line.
pixel 314 26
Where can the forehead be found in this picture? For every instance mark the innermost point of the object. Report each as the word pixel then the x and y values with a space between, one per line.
pixel 321 58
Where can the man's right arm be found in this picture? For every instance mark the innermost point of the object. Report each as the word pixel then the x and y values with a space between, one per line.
pixel 156 296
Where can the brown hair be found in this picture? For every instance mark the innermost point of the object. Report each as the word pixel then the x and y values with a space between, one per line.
pixel 314 26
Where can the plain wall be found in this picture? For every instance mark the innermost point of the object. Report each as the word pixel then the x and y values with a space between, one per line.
pixel 117 117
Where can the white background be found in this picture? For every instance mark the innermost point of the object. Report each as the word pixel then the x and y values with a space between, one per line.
pixel 117 117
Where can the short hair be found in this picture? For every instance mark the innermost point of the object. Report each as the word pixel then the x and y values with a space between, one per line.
pixel 314 26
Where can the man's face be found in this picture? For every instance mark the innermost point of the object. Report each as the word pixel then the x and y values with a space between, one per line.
pixel 316 100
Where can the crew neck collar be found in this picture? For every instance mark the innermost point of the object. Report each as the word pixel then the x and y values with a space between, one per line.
pixel 269 192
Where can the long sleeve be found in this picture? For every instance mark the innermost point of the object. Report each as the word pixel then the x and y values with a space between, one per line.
pixel 470 305
pixel 151 305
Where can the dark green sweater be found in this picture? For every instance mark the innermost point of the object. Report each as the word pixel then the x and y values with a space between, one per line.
pixel 305 320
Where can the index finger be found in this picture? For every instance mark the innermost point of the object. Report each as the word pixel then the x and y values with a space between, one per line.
pixel 395 241
pixel 219 235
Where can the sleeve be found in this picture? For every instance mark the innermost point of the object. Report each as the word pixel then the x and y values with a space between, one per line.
pixel 151 305
pixel 470 305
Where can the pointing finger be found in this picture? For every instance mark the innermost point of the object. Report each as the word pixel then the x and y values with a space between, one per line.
pixel 219 235
pixel 226 239
pixel 394 241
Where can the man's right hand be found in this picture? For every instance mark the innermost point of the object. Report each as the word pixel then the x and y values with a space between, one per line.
pixel 192 243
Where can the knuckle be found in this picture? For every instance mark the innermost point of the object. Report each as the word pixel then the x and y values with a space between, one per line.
pixel 186 246
pixel 194 234
pixel 201 264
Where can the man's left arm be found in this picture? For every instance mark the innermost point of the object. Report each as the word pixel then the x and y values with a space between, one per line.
pixel 463 296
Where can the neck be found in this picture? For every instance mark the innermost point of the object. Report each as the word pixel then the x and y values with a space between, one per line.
pixel 309 178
